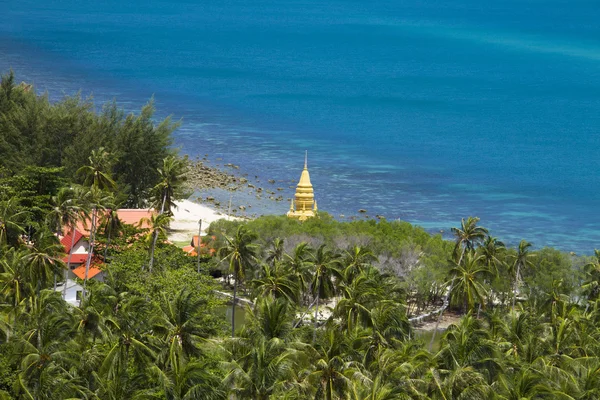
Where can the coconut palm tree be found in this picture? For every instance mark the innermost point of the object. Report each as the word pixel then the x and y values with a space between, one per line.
pixel 326 268
pixel 240 253
pixel 358 298
pixel 467 237
pixel 44 359
pixel 276 281
pixel 276 251
pixel 111 225
pixel 65 213
pixel 298 263
pixel 128 355
pixel 97 173
pixel 98 201
pixel 44 261
pixel 158 227
pixel 332 366
pixel 172 176
pixel 522 260
pixel 14 284
pixel 12 218
pixel 356 259
pixel 260 367
pixel 468 280
pixel 179 326
pixel 591 285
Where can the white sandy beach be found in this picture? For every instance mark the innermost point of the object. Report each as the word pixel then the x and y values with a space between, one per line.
pixel 186 217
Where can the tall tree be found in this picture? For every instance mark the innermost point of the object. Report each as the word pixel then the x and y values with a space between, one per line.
pixel 158 227
pixel 170 187
pixel 65 213
pixel 98 201
pixel 98 172
pixel 326 267
pixel 12 219
pixel 45 259
pixel 469 280
pixel 467 236
pixel 522 260
pixel 240 253
pixel 111 225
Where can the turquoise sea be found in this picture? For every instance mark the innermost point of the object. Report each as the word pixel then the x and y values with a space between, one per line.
pixel 422 110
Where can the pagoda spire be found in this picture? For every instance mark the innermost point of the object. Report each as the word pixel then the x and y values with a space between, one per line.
pixel 303 206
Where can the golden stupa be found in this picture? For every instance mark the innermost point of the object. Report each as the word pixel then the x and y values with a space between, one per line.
pixel 303 205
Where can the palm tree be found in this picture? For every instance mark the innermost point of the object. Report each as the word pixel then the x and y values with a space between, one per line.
pixel 112 224
pixel 467 237
pixel 492 251
pixel 298 263
pixel 14 283
pixel 45 259
pixel 326 267
pixel 11 221
pixel 468 281
pixel 158 227
pixel 240 253
pixel 172 175
pixel 65 212
pixel 591 286
pixel 276 251
pixel 522 260
pixel 128 353
pixel 97 200
pixel 356 259
pixel 358 297
pixel 260 368
pixel 180 327
pixel 332 367
pixel 97 172
pixel 276 281
pixel 43 345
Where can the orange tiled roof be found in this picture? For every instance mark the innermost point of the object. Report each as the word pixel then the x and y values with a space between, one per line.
pixel 80 272
pixel 132 216
pixel 190 250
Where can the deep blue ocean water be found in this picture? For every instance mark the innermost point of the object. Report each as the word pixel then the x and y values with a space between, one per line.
pixel 427 111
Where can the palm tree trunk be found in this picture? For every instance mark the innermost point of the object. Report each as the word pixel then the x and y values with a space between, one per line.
pixel 316 314
pixel 516 285
pixel 235 283
pixel 439 318
pixel 69 261
pixel 90 253
pixel 107 243
pixel 155 234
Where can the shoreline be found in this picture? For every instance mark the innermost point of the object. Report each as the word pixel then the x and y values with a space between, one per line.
pixel 186 219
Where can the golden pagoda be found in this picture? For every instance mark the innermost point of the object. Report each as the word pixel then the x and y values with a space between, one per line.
pixel 303 205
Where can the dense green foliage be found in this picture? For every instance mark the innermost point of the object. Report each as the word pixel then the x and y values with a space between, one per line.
pixel 37 133
pixel 327 303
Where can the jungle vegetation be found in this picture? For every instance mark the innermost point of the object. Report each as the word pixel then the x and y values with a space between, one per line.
pixel 156 327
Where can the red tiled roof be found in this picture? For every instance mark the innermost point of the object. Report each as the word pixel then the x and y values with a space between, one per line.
pixel 80 272
pixel 68 239
pixel 76 258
